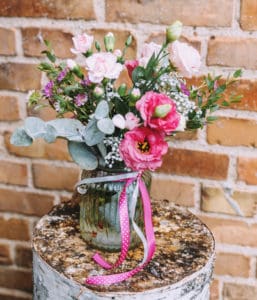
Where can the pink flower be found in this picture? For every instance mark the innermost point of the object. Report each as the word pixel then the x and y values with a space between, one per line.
pixel 131 121
pixel 82 43
pixel 147 51
pixel 185 58
pixel 142 148
pixel 158 111
pixel 131 65
pixel 103 65
pixel 80 99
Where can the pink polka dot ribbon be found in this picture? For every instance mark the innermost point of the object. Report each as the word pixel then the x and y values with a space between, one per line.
pixel 149 242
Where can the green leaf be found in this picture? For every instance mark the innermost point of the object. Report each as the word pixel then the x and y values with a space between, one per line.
pixel 105 125
pixel 50 55
pixel 91 134
pixel 102 110
pixel 212 118
pixel 50 134
pixel 138 73
pixel 225 103
pixel 71 129
pixel 20 138
pixel 82 155
pixel 128 41
pixel 237 73
pixel 34 127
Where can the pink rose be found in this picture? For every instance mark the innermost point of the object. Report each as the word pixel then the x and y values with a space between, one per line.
pixel 147 51
pixel 103 65
pixel 82 43
pixel 142 148
pixel 185 58
pixel 131 65
pixel 158 111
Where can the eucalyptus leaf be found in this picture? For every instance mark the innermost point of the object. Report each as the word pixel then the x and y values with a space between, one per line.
pixel 70 129
pixel 82 155
pixel 50 134
pixel 105 125
pixel 20 138
pixel 92 135
pixel 35 127
pixel 102 110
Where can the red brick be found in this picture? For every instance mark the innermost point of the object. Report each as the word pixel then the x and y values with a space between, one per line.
pixel 231 132
pixel 7 42
pixel 248 18
pixel 33 45
pixel 178 192
pixel 23 256
pixel 232 264
pixel 248 89
pixel 40 149
pixel 232 291
pixel 9 108
pixel 28 203
pixel 195 163
pixel 55 177
pixel 14 229
pixel 68 9
pixel 18 76
pixel 16 279
pixel 5 257
pixel 4 295
pixel 247 169
pixel 215 200
pixel 232 52
pixel 231 231
pixel 13 173
pixel 211 13
pixel 214 290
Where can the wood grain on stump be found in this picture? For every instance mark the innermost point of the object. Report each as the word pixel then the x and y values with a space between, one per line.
pixel 180 270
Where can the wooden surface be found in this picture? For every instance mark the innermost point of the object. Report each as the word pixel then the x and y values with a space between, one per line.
pixel 181 268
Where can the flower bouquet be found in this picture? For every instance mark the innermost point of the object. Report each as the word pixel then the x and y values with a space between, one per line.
pixel 118 132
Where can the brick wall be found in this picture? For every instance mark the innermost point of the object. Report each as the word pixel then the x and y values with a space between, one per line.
pixel 205 171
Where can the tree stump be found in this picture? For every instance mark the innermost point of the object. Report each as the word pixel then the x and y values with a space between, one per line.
pixel 180 270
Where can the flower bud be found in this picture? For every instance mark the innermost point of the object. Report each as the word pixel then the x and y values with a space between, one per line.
pixel 98 92
pixel 135 94
pixel 161 111
pixel 109 41
pixel 173 32
pixel 122 89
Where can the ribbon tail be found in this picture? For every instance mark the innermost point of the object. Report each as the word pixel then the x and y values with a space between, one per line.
pixel 115 278
pixel 125 231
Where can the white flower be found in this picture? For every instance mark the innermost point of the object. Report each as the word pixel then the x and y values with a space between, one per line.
pixel 71 64
pixel 103 65
pixel 131 121
pixel 147 51
pixel 82 43
pixel 182 124
pixel 118 121
pixel 185 58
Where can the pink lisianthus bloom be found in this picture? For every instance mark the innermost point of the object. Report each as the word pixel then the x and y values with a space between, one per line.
pixel 147 51
pixel 103 65
pixel 148 107
pixel 185 58
pixel 82 43
pixel 142 148
pixel 131 65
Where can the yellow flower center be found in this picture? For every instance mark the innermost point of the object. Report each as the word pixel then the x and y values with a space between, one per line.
pixel 144 146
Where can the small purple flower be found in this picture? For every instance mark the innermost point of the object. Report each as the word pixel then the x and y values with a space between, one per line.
pixel 85 82
pixel 80 99
pixel 48 89
pixel 184 89
pixel 62 75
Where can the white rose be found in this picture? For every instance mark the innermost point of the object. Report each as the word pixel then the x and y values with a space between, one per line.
pixel 82 43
